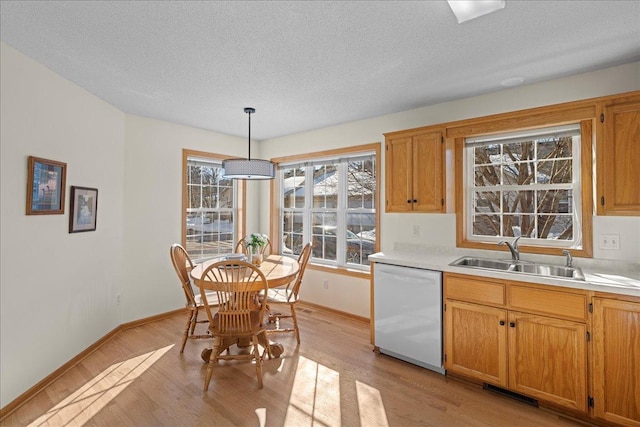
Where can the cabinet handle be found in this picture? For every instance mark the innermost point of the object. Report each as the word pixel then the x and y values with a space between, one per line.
pixel 415 200
pixel 409 201
pixel 502 323
pixel 512 324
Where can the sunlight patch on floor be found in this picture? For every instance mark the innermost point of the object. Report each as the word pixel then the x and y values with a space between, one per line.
pixel 80 406
pixel 315 396
pixel 261 413
pixel 370 406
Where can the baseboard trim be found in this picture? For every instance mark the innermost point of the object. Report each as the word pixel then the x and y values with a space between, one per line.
pixel 152 319
pixel 49 379
pixel 338 312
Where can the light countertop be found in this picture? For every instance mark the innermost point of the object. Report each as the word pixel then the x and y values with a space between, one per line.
pixel 612 277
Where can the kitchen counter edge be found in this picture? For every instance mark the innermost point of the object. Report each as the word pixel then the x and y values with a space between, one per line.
pixel 625 284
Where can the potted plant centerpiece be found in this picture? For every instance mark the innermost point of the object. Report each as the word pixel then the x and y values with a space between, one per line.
pixel 255 244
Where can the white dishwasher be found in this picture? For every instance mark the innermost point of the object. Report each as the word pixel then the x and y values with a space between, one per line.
pixel 408 314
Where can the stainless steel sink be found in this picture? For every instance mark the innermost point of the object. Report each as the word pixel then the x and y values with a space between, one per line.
pixel 491 264
pixel 549 270
pixel 544 270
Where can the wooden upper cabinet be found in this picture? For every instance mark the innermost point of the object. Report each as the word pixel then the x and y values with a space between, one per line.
pixel 414 171
pixel 399 175
pixel 618 157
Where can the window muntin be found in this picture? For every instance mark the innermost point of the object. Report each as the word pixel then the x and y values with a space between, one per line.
pixel 334 209
pixel 211 209
pixel 525 185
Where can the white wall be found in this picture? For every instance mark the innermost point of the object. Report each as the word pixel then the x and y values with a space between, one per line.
pixel 57 290
pixel 153 209
pixel 439 230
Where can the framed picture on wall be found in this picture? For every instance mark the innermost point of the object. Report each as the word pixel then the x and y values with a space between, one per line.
pixel 84 209
pixel 46 181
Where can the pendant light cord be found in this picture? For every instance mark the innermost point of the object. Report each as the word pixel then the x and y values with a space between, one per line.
pixel 249 112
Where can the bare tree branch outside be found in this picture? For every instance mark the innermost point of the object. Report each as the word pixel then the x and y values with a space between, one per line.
pixel 524 188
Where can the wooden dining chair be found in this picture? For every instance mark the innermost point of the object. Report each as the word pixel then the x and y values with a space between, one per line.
pixel 183 265
pixel 242 248
pixel 239 315
pixel 280 297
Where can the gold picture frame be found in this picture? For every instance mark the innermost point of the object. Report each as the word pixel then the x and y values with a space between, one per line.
pixel 46 183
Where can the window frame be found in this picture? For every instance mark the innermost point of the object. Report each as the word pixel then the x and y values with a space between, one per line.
pixel 239 197
pixel 277 209
pixel 502 139
pixel 492 126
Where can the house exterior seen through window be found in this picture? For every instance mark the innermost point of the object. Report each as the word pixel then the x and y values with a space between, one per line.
pixel 525 184
pixel 331 203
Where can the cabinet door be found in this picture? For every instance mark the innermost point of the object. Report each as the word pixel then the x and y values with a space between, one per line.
pixel 616 361
pixel 548 359
pixel 476 342
pixel 398 175
pixel 427 172
pixel 620 151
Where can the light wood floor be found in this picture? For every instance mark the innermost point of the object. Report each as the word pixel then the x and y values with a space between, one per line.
pixel 333 378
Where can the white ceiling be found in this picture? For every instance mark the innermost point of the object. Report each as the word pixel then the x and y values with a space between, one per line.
pixel 309 64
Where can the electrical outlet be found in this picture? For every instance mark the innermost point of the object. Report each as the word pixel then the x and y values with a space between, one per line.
pixel 118 299
pixel 609 242
pixel 325 284
pixel 416 230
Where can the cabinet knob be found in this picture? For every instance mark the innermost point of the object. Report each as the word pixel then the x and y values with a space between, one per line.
pixel 415 200
pixel 409 201
pixel 502 323
pixel 512 324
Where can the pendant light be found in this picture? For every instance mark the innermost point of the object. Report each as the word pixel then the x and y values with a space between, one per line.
pixel 248 168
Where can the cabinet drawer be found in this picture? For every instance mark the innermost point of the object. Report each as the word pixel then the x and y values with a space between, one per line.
pixel 556 303
pixel 473 290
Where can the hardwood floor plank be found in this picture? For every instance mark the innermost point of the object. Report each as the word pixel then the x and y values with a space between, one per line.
pixel 139 378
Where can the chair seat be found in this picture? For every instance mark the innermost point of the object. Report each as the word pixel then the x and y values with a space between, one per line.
pixel 281 295
pixel 212 299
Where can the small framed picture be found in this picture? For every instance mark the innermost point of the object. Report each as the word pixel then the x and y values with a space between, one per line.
pixel 84 209
pixel 46 183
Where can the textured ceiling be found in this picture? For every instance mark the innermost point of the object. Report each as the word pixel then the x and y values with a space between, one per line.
pixel 309 64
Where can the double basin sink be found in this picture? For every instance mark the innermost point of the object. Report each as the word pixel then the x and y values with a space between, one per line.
pixel 524 267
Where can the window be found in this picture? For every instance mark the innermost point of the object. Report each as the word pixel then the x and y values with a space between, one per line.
pixel 210 207
pixel 525 184
pixel 331 202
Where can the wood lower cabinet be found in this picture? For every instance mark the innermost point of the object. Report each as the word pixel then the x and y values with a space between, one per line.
pixel 476 342
pixel 541 354
pixel 616 361
pixel 548 359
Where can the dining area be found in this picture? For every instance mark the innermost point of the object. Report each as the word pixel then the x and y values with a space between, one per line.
pixel 248 298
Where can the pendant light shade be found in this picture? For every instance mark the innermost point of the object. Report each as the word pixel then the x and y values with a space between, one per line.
pixel 248 168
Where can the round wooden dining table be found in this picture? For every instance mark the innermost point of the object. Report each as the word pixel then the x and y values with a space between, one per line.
pixel 279 270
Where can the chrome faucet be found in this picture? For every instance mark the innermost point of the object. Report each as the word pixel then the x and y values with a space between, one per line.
pixel 513 247
pixel 569 258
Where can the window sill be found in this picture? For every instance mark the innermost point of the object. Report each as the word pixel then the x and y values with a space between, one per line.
pixel 362 274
